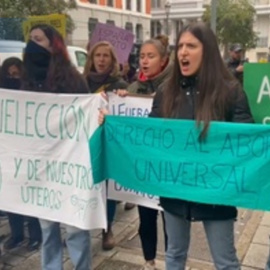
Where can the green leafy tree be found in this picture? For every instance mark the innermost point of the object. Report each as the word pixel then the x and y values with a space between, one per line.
pixel 235 20
pixel 14 12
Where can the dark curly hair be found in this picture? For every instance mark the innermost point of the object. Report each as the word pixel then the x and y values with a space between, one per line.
pixel 11 61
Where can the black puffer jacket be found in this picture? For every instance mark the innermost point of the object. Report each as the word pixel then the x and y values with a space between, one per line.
pixel 238 112
pixel 233 65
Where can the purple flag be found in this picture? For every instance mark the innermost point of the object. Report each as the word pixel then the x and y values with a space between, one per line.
pixel 121 39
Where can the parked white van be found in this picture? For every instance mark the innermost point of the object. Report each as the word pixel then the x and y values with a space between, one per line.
pixel 12 48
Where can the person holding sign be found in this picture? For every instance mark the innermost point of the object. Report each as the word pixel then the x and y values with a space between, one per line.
pixel 200 88
pixel 10 78
pixel 154 70
pixel 102 74
pixel 102 69
pixel 49 69
pixel 154 66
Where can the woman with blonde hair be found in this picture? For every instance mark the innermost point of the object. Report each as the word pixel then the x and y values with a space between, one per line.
pixel 102 75
pixel 155 69
pixel 102 69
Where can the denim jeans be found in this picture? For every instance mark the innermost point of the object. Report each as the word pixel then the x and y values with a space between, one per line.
pixel 77 241
pixel 16 223
pixel 267 267
pixel 220 236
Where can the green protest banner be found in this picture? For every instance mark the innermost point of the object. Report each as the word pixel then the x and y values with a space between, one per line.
pixel 164 158
pixel 257 88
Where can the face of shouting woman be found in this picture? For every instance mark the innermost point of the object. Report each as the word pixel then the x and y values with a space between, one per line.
pixel 151 62
pixel 190 52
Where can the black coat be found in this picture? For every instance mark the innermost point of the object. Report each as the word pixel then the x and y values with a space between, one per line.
pixel 107 85
pixel 238 112
pixel 75 78
pixel 82 87
pixel 233 65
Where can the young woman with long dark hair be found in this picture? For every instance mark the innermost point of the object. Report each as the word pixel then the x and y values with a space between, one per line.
pixel 201 89
pixel 47 68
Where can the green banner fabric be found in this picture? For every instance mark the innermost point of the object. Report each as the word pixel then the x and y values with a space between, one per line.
pixel 257 88
pixel 163 157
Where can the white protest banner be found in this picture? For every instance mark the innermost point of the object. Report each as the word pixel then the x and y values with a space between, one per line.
pixel 45 168
pixel 120 193
pixel 136 106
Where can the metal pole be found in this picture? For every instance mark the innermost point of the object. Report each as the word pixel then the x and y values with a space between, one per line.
pixel 167 12
pixel 167 24
pixel 214 15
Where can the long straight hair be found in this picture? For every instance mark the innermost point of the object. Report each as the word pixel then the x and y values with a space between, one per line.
pixel 214 81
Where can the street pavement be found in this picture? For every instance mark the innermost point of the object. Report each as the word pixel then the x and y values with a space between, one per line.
pixel 251 234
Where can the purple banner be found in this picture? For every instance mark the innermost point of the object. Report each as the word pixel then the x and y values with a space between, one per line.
pixel 121 39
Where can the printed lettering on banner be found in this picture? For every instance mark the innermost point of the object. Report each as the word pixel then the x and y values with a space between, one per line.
pixel 257 88
pixel 45 166
pixel 120 193
pixel 137 107
pixel 164 157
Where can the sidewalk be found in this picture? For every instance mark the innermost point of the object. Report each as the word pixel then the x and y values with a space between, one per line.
pixel 252 245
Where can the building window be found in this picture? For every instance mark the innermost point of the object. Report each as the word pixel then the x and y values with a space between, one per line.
pixel 156 28
pixel 129 26
pixel 111 22
pixel 128 4
pixel 153 29
pixel 91 26
pixel 93 1
pixel 110 3
pixel 261 56
pixel 139 33
pixel 155 4
pixel 177 27
pixel 159 28
pixel 262 42
pixel 139 6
